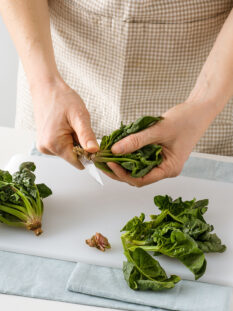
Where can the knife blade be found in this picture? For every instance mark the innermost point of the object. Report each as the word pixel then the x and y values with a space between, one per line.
pixel 85 158
pixel 91 169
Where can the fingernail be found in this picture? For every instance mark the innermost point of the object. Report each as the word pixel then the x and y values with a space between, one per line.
pixel 91 144
pixel 118 149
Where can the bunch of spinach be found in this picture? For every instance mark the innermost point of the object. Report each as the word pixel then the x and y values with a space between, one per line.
pixel 138 163
pixel 21 202
pixel 179 231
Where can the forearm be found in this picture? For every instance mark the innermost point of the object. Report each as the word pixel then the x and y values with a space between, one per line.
pixel 28 24
pixel 214 86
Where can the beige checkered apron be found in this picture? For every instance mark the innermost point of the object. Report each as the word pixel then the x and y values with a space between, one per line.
pixel 128 58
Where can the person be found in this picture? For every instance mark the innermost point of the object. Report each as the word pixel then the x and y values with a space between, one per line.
pixel 87 65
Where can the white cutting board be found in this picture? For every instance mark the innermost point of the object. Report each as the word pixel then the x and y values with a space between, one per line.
pixel 79 207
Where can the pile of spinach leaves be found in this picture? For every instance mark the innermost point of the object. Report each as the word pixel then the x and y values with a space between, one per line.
pixel 21 202
pixel 138 163
pixel 179 231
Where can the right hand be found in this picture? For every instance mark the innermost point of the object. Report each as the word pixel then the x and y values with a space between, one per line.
pixel 62 117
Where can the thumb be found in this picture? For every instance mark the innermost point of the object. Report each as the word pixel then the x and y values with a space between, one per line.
pixel 84 132
pixel 136 141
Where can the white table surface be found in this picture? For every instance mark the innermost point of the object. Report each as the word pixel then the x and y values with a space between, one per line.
pixel 14 141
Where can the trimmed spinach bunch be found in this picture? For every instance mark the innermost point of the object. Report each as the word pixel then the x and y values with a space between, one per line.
pixel 179 231
pixel 138 163
pixel 21 202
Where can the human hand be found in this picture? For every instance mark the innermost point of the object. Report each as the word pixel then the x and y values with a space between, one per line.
pixel 178 133
pixel 61 117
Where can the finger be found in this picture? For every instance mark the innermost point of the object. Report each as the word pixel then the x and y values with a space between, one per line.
pixel 158 173
pixel 43 149
pixel 61 145
pixel 42 146
pixel 136 141
pixel 67 154
pixel 112 176
pixel 82 127
pixel 75 138
pixel 123 175
pixel 155 175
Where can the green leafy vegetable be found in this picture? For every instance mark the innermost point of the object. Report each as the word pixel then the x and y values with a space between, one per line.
pixel 143 272
pixel 179 231
pixel 138 163
pixel 21 202
pixel 210 242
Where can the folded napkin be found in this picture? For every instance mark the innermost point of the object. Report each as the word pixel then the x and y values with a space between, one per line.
pixel 186 296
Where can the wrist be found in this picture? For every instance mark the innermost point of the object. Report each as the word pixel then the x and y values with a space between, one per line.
pixel 210 94
pixel 48 84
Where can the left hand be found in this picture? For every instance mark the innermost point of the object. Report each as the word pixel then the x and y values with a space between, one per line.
pixel 178 133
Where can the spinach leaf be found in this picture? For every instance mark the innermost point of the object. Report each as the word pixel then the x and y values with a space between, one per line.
pixel 5 176
pixel 143 272
pixel 134 223
pixel 181 211
pixel 26 181
pixel 28 165
pixel 44 191
pixel 210 242
pixel 139 125
pixel 142 123
pixel 172 242
pixel 196 228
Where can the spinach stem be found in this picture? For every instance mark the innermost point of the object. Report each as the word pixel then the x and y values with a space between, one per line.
pixel 104 159
pixel 13 212
pixel 11 223
pixel 38 203
pixel 25 201
pixel 18 207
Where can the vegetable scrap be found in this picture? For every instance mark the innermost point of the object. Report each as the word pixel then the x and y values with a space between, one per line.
pixel 99 241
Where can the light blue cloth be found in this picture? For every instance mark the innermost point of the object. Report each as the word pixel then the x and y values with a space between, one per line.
pixel 101 286
pixel 208 169
pixel 45 278
pixel 185 296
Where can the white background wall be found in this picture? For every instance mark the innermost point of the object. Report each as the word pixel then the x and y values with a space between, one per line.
pixel 8 75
